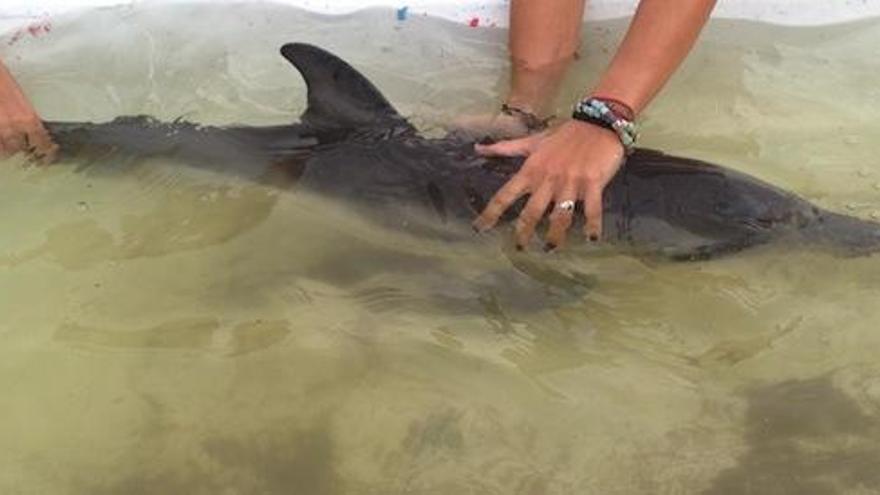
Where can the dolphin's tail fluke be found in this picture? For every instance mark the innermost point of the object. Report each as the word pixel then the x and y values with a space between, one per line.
pixel 844 234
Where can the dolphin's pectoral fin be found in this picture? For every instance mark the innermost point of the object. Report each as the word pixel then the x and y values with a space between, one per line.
pixel 437 201
pixel 285 172
pixel 657 236
pixel 339 97
pixel 705 252
pixel 476 201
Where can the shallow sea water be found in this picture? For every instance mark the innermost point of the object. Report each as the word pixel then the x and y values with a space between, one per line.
pixel 165 329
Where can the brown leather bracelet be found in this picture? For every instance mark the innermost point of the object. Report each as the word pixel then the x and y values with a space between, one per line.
pixel 618 107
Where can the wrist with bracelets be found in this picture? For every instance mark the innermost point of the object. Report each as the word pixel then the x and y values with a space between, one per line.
pixel 610 114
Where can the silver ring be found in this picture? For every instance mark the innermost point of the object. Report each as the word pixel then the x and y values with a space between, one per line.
pixel 567 206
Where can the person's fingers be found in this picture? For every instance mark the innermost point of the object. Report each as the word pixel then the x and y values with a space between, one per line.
pixel 533 212
pixel 514 147
pixel 568 163
pixel 496 127
pixel 41 143
pixel 562 216
pixel 8 145
pixel 28 136
pixel 19 141
pixel 501 201
pixel 593 211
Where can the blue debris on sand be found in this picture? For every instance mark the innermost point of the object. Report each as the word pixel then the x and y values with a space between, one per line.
pixel 402 13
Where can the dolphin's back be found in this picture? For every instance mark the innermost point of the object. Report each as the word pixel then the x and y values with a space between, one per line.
pixel 352 145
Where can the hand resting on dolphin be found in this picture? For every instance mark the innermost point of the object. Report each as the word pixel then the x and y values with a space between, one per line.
pixel 352 145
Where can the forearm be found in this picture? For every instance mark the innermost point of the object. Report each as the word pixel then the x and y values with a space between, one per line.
pixel 658 40
pixel 544 36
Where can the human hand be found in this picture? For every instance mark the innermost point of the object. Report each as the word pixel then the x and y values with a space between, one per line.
pixel 496 127
pixel 569 163
pixel 20 127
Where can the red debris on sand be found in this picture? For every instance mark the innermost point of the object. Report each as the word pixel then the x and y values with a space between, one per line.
pixel 475 22
pixel 35 29
pixel 38 28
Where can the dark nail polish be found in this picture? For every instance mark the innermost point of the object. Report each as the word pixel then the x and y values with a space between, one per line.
pixel 519 247
pixel 549 247
pixel 594 238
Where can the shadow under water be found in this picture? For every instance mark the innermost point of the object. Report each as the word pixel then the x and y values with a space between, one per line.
pixel 805 437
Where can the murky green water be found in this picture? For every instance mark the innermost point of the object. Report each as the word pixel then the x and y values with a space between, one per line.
pixel 165 329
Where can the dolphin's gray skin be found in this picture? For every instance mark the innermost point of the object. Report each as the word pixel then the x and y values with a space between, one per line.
pixel 351 144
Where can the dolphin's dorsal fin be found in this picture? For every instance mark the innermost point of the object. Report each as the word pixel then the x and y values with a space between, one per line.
pixel 339 97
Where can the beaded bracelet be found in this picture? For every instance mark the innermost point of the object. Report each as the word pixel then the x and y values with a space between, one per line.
pixel 617 106
pixel 597 112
